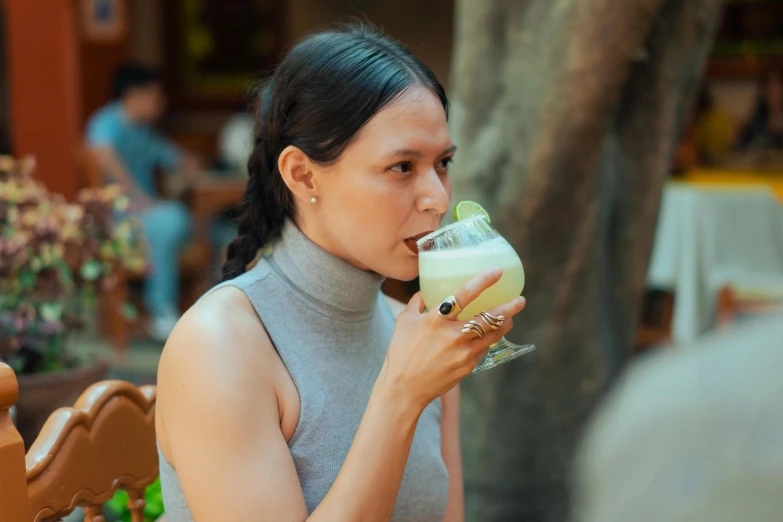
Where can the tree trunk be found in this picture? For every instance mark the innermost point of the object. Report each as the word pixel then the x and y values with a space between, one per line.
pixel 566 113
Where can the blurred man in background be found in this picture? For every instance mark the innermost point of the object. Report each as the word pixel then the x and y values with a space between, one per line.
pixel 129 151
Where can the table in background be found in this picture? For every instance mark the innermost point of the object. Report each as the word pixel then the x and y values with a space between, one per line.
pixel 207 199
pixel 736 178
pixel 709 236
pixel 210 196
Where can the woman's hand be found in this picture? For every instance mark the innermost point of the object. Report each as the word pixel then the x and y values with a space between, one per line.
pixel 429 354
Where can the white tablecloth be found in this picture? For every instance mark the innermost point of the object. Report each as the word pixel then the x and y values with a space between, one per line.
pixel 707 238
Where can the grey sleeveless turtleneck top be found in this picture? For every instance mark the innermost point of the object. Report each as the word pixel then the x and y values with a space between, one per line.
pixel 331 327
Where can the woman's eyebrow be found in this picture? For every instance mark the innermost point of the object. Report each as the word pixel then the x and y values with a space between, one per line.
pixel 417 153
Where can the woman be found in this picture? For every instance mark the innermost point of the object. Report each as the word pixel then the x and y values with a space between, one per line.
pixel 289 393
pixel 764 130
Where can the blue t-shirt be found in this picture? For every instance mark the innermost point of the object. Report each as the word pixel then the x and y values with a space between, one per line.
pixel 137 146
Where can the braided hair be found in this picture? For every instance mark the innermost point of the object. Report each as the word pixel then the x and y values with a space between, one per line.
pixel 319 98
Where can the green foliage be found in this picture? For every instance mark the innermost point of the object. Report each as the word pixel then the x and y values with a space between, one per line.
pixel 153 509
pixel 55 256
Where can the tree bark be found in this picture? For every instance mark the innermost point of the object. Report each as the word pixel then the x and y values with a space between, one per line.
pixel 566 113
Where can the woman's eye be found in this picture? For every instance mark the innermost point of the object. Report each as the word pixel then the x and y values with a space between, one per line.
pixel 403 168
pixel 444 163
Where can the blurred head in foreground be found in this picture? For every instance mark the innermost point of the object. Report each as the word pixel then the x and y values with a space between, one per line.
pixel 693 434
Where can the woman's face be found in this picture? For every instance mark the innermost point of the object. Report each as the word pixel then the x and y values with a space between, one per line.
pixel 390 186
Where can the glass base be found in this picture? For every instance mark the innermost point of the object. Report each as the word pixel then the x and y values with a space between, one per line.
pixel 502 352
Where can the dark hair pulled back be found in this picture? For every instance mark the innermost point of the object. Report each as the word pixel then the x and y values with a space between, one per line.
pixel 322 94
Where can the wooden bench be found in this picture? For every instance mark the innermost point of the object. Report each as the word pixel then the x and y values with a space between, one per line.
pixel 82 456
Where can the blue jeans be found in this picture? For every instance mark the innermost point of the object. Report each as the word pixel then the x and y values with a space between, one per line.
pixel 167 227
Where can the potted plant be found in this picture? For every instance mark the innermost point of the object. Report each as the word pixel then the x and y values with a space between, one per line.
pixel 55 258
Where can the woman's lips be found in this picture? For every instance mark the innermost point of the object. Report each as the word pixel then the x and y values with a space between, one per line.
pixel 411 241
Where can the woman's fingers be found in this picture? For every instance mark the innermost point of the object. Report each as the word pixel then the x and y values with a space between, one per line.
pixel 473 288
pixel 486 331
pixel 496 323
pixel 416 304
pixel 509 309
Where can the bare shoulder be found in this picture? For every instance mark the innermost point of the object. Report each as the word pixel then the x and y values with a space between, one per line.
pixel 217 361
pixel 218 410
pixel 220 329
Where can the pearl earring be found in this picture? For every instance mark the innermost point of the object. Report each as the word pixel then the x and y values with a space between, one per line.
pixel 313 199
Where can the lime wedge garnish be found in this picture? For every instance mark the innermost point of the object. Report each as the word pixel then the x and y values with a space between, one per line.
pixel 468 209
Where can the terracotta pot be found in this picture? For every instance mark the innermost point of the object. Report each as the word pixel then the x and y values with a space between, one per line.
pixel 41 394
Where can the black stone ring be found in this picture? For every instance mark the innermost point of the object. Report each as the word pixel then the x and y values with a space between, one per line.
pixel 450 308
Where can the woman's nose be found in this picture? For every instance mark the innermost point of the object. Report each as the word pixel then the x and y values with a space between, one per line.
pixel 434 194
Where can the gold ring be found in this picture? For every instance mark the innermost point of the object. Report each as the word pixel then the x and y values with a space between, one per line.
pixel 474 328
pixel 492 321
pixel 479 326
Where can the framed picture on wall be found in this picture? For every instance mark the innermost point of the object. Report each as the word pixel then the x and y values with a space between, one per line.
pixel 104 20
pixel 217 49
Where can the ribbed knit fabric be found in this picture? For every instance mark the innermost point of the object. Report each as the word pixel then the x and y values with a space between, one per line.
pixel 331 326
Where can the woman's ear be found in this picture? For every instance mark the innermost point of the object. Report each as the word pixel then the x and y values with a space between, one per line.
pixel 297 173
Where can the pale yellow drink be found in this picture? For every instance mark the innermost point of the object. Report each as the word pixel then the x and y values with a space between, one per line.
pixel 443 272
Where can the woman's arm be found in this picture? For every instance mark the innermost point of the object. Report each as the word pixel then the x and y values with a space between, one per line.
pixel 111 166
pixel 452 455
pixel 219 418
pixel 219 411
pixel 450 442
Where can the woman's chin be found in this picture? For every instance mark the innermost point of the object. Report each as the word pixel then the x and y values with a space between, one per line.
pixel 406 269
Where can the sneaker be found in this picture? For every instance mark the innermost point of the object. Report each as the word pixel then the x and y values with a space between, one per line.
pixel 161 326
